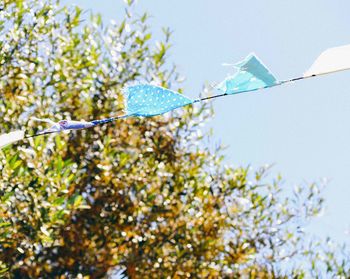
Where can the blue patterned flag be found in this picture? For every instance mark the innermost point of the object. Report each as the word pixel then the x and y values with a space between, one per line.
pixel 251 75
pixel 150 100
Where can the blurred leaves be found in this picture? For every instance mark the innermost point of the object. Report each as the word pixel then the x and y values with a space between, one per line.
pixel 141 197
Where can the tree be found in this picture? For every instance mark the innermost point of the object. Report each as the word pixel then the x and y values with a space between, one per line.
pixel 144 195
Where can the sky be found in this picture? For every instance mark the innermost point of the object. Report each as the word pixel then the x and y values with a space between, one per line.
pixel 301 128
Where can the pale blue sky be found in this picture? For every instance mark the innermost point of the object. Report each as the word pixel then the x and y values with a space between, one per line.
pixel 302 128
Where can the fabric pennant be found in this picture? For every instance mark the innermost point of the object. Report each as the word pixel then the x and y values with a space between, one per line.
pixel 150 100
pixel 12 137
pixel 330 61
pixel 251 75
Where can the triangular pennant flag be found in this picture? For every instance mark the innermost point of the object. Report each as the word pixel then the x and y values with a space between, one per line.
pixel 330 61
pixel 252 75
pixel 10 138
pixel 150 100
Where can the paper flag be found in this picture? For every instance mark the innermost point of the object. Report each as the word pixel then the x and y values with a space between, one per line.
pixel 149 100
pixel 251 75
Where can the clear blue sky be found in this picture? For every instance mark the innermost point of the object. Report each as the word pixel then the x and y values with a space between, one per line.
pixel 302 128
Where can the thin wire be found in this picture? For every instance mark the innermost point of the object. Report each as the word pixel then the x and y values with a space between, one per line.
pixel 108 120
pixel 38 134
pixel 251 90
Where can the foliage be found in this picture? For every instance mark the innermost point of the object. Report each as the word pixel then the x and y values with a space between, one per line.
pixel 144 195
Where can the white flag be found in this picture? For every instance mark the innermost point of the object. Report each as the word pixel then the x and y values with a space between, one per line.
pixel 10 138
pixel 330 61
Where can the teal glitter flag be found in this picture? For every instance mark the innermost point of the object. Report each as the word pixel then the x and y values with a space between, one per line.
pixel 251 75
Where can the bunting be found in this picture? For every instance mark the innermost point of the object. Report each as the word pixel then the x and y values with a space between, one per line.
pixel 147 100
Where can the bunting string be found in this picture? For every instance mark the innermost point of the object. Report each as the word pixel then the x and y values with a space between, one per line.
pixel 147 100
